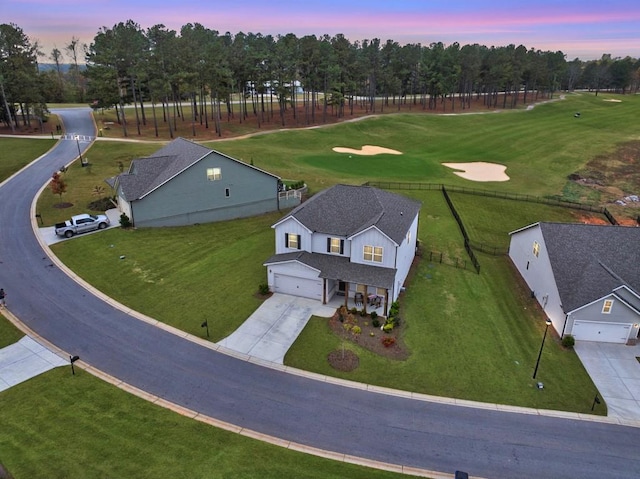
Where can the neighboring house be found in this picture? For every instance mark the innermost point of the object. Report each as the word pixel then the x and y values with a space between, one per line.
pixel 585 277
pixel 346 240
pixel 185 183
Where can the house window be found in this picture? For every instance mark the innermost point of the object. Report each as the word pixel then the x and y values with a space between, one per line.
pixel 214 174
pixel 536 248
pixel 292 241
pixel 373 253
pixel 227 192
pixel 381 292
pixel 361 288
pixel 606 307
pixel 335 245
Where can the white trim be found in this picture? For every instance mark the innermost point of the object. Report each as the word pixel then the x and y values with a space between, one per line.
pixel 378 230
pixel 275 225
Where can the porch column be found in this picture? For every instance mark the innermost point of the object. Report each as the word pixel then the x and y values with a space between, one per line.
pixel 346 295
pixel 386 301
pixel 324 291
pixel 365 299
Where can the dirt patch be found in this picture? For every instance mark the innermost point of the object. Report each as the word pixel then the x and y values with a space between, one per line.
pixel 61 206
pixel 343 360
pixel 616 177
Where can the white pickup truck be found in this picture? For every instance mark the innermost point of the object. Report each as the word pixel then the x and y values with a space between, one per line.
pixel 81 224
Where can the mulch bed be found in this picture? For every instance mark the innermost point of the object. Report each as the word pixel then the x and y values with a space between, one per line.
pixel 370 338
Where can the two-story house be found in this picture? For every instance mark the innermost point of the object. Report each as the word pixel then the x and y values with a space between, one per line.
pixel 185 183
pixel 585 277
pixel 355 241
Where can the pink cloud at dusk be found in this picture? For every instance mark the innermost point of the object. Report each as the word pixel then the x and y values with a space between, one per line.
pixel 584 29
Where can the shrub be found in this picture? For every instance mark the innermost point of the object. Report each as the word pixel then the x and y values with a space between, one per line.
pixel 263 288
pixel 356 330
pixel 568 341
pixel 125 222
pixel 394 308
pixel 388 327
pixel 363 313
pixel 388 341
pixel 375 323
pixel 354 310
pixel 374 315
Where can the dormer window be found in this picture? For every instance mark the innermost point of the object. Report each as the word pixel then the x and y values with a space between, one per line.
pixel 372 253
pixel 214 174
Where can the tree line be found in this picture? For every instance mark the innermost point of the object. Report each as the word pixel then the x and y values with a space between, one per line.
pixel 262 76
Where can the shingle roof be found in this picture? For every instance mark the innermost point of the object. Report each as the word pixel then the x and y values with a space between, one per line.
pixel 147 174
pixel 345 210
pixel 340 268
pixel 590 261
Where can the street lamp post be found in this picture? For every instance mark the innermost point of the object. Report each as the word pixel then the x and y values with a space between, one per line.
pixel 547 323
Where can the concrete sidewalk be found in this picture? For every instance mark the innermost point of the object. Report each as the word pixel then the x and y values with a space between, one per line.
pixel 615 371
pixel 24 360
pixel 271 330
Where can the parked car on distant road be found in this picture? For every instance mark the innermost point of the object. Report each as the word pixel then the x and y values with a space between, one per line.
pixel 81 224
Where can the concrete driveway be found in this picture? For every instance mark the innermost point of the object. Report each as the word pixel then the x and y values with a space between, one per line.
pixel 616 373
pixel 25 359
pixel 48 234
pixel 271 330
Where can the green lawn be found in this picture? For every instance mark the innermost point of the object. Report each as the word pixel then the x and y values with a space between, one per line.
pixel 16 153
pixel 181 276
pixel 470 336
pixel 59 426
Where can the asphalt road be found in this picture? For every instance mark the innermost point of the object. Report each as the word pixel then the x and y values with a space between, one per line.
pixel 391 429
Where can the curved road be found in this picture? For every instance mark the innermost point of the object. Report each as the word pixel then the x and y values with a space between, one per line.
pixel 352 421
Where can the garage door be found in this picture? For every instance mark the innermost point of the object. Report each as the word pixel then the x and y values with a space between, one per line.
pixel 601 332
pixel 307 288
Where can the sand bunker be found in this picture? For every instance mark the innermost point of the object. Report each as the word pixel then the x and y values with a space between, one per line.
pixel 367 150
pixel 613 100
pixel 479 171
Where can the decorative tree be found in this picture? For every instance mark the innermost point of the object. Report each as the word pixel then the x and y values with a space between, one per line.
pixel 57 185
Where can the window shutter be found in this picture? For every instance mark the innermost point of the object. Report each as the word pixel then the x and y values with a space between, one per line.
pixel 328 245
pixel 286 240
pixel 341 246
pixel 299 242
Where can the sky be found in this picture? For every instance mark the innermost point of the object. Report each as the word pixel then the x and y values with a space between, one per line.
pixel 584 29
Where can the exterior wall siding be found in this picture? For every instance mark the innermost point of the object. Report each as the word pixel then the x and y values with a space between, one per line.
pixel 319 245
pixel 291 226
pixel 405 255
pixel 191 198
pixel 537 273
pixel 373 237
pixel 620 313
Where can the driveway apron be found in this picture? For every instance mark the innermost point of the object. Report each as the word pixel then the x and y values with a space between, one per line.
pixel 271 330
pixel 615 370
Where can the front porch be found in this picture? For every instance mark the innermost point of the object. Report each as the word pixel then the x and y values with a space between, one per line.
pixel 338 300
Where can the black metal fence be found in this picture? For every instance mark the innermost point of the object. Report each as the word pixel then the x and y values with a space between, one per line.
pixel 469 245
pixel 442 258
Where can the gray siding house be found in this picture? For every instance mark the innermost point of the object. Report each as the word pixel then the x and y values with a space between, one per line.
pixel 185 183
pixel 351 241
pixel 585 277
